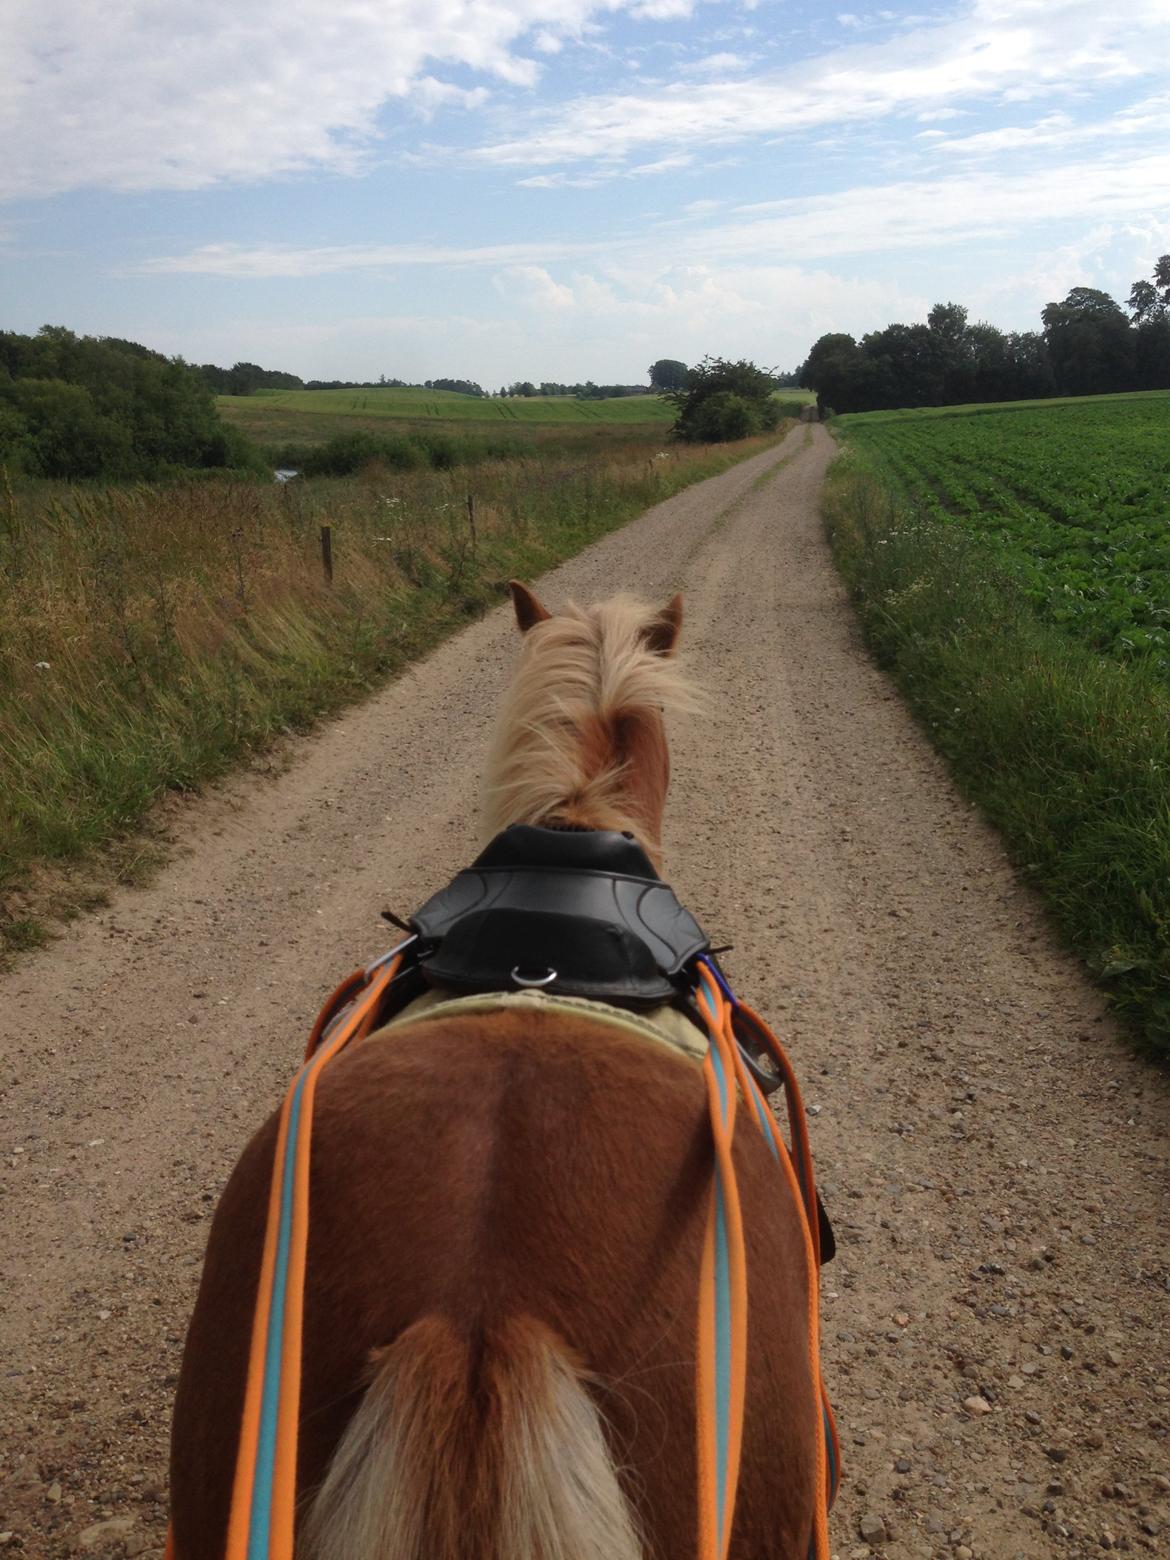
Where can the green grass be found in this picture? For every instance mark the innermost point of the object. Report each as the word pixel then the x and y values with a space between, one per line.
pixel 1065 749
pixel 447 406
pixel 273 418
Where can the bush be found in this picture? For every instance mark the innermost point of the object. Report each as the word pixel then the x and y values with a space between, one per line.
pixel 88 407
pixel 724 401
pixel 724 416
pixel 346 453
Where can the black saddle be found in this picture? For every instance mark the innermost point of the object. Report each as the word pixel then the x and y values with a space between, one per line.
pixel 579 913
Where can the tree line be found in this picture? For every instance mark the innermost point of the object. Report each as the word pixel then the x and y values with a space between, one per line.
pixel 1089 345
pixel 88 406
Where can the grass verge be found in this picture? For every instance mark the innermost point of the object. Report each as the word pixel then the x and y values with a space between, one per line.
pixel 1065 751
pixel 152 636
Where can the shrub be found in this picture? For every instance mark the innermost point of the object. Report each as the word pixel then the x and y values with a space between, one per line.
pixel 724 416
pixel 724 400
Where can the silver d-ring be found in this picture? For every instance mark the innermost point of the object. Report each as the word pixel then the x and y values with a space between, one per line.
pixel 529 981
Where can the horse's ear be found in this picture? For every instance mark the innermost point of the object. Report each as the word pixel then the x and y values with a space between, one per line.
pixel 662 634
pixel 529 611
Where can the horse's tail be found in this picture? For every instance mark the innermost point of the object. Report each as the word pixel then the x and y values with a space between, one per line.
pixel 491 1452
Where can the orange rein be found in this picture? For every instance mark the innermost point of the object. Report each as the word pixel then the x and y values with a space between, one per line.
pixel 724 1062
pixel 262 1517
pixel 263 1510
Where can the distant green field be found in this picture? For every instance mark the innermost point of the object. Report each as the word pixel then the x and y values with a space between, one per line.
pixel 978 408
pixel 447 406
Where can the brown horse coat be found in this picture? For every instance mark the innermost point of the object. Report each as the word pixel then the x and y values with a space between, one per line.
pixel 567 1183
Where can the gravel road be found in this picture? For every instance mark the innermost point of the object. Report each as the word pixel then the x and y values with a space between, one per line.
pixel 994 1160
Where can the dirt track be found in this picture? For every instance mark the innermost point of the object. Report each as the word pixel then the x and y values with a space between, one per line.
pixel 993 1160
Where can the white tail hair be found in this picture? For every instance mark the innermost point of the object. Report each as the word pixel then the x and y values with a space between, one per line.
pixel 445 1460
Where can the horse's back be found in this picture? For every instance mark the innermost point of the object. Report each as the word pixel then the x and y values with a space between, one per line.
pixel 491 1167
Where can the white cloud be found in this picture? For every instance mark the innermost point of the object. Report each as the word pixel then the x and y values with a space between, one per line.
pixel 716 64
pixel 868 219
pixel 994 50
pixel 182 94
pixel 663 10
pixel 241 262
pixel 1149 118
pixel 1103 254
pixel 428 94
pixel 603 322
pixel 624 313
pixel 533 286
pixel 589 181
pixel 561 181
pixel 915 215
pixel 663 165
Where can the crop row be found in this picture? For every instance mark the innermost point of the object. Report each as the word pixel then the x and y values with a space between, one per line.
pixel 1075 500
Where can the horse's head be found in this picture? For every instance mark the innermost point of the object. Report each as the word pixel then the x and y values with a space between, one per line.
pixel 581 741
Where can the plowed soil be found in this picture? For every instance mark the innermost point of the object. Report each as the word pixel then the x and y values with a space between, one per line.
pixel 993 1158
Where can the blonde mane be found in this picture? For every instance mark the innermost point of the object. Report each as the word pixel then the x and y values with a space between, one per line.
pixel 583 677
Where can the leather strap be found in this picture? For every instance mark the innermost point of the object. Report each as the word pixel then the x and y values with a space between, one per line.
pixel 578 913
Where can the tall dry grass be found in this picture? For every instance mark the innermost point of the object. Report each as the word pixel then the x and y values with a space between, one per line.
pixel 151 635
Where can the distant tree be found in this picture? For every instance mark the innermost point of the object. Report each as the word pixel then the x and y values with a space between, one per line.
pixel 944 362
pixel 838 371
pixel 668 374
pixel 1090 343
pixel 1152 352
pixel 908 364
pixel 245 378
pixel 458 386
pixel 1151 300
pixel 1144 302
pixel 217 380
pixel 724 400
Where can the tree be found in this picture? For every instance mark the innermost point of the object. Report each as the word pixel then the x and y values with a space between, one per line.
pixel 836 369
pixel 1144 302
pixel 1152 352
pixel 668 374
pixel 724 400
pixel 1151 300
pixel 1090 343
pixel 100 407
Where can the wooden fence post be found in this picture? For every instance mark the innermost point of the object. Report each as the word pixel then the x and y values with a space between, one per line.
pixel 471 519
pixel 327 550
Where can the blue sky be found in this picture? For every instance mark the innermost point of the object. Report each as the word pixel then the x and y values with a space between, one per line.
pixel 567 189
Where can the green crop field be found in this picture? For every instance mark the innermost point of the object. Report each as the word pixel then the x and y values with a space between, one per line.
pixel 447 406
pixel 1074 496
pixel 1011 569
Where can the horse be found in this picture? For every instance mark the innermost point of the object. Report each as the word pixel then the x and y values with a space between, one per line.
pixel 499 1336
